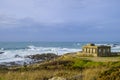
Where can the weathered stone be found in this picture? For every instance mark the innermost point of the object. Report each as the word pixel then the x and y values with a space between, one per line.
pixel 57 78
pixel 101 50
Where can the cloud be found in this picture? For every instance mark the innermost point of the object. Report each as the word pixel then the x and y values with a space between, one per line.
pixel 60 11
pixel 64 18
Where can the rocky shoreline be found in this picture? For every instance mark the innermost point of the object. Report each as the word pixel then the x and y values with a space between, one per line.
pixel 30 59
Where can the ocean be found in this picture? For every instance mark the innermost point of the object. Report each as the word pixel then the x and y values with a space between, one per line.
pixel 17 51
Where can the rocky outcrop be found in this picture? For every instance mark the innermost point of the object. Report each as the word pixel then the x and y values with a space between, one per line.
pixel 42 57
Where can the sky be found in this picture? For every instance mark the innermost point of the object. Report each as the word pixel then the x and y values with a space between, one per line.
pixel 59 20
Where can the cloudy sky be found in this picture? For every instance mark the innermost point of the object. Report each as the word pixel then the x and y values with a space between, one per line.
pixel 59 20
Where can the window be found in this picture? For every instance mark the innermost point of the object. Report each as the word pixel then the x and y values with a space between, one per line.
pixel 94 51
pixel 85 50
pixel 108 50
pixel 104 50
pixel 99 50
pixel 88 50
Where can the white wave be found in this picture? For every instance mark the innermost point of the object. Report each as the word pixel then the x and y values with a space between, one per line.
pixel 52 49
pixel 1 49
pixel 103 44
pixel 19 55
pixel 78 44
pixel 12 60
pixel 116 48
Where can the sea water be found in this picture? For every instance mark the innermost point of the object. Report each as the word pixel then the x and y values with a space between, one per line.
pixel 17 51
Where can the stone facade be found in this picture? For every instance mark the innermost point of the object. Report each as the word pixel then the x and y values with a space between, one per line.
pixel 96 50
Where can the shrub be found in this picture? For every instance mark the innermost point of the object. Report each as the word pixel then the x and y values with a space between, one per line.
pixel 111 74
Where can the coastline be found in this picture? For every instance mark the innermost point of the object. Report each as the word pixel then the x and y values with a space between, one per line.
pixel 40 58
pixel 68 66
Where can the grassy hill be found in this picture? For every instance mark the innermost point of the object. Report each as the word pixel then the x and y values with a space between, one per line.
pixel 68 66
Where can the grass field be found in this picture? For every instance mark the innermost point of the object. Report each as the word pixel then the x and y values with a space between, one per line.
pixel 70 67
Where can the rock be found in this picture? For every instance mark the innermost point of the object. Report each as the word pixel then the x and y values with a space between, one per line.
pixel 1 52
pixel 43 57
pixel 57 78
pixel 18 56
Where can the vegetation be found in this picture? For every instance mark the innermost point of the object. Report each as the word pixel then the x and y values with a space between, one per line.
pixel 70 67
pixel 110 74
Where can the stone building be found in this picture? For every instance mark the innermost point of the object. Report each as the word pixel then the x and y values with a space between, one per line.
pixel 96 50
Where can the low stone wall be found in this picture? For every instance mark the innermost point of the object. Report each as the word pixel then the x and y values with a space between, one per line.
pixel 115 54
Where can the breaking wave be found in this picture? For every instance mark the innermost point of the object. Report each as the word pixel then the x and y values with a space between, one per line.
pixel 19 54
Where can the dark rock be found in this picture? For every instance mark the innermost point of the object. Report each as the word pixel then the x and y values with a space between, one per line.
pixel 47 56
pixel 1 52
pixel 17 56
pixel 12 63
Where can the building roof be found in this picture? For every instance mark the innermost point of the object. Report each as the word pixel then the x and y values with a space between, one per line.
pixel 91 44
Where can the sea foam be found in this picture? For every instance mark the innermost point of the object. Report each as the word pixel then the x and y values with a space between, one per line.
pixel 19 55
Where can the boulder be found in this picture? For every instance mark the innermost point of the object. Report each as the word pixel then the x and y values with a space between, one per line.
pixel 57 78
